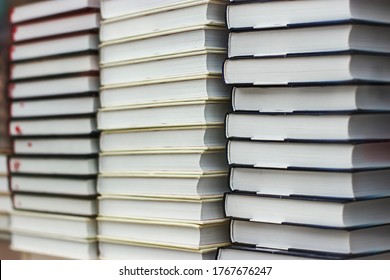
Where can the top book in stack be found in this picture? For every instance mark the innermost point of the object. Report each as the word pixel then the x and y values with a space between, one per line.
pixel 271 14
pixel 46 9
pixel 119 8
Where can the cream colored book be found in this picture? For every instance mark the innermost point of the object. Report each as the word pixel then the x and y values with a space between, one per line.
pixel 152 208
pixel 72 248
pixel 57 225
pixel 169 114
pixel 4 222
pixel 111 249
pixel 196 88
pixel 202 37
pixel 187 235
pixel 164 160
pixel 121 8
pixel 165 137
pixel 202 12
pixel 5 203
pixel 163 184
pixel 174 66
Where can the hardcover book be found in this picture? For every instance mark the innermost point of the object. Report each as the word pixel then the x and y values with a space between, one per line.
pixel 369 98
pixel 342 68
pixel 308 210
pixel 271 14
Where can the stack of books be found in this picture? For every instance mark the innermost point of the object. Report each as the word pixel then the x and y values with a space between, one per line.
pixel 54 92
pixel 162 164
pixel 5 148
pixel 309 140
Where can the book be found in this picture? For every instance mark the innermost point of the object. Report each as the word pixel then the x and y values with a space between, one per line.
pixel 57 46
pixel 269 14
pixel 319 239
pixel 74 165
pixel 54 107
pixel 187 235
pixel 160 208
pixel 364 155
pixel 311 98
pixel 163 68
pixel 54 224
pixel 163 160
pixel 64 185
pixel 5 203
pixel 53 87
pixel 307 210
pixel 81 206
pixel 167 137
pixel 53 126
pixel 320 127
pixel 72 248
pixel 342 68
pixel 169 114
pixel 197 88
pixel 3 164
pixel 310 40
pixel 54 66
pixel 4 223
pixel 56 146
pixel 48 8
pixel 4 184
pixel 322 183
pixel 163 184
pixel 118 250
pixel 56 26
pixel 118 8
pixel 239 252
pixel 202 12
pixel 5 143
pixel 156 44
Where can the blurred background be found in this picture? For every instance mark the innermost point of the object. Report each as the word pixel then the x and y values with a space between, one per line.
pixel 5 6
